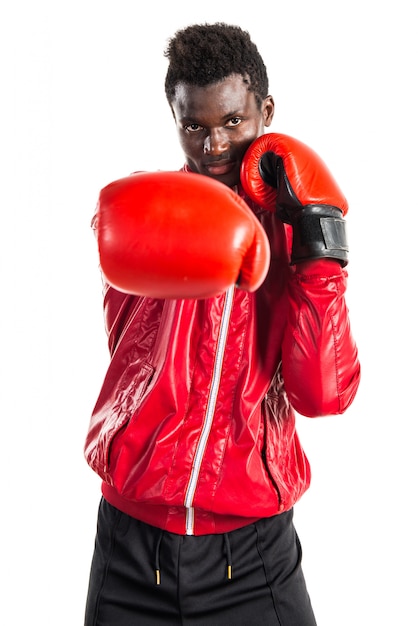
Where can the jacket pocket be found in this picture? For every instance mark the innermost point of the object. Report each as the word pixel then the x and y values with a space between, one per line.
pixel 114 413
pixel 284 457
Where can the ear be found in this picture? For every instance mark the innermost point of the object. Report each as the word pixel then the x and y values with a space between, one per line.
pixel 268 110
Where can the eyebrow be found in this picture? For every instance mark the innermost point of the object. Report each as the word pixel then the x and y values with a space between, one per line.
pixel 227 116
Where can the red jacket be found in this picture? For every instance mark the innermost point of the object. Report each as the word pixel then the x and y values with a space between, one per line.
pixel 194 427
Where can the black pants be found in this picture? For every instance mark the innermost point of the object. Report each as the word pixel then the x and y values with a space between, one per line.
pixel 267 586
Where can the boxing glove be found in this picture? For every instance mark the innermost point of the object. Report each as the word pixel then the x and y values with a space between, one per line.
pixel 178 235
pixel 285 176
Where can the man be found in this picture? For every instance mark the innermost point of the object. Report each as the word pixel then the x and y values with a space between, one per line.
pixel 193 432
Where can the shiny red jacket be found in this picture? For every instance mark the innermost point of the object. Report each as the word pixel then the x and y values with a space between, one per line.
pixel 194 427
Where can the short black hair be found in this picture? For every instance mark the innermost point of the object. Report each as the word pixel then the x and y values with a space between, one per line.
pixel 204 54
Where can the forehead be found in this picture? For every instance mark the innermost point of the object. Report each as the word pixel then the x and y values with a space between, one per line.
pixel 227 97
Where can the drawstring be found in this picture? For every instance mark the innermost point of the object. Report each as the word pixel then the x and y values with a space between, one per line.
pixel 157 560
pixel 228 557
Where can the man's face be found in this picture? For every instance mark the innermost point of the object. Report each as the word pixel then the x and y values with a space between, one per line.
pixel 217 123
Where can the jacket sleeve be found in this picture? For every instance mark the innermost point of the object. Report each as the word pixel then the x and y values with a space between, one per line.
pixel 321 370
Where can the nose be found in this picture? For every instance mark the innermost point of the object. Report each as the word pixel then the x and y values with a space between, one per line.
pixel 216 142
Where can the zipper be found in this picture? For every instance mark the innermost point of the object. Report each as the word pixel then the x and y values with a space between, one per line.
pixel 210 412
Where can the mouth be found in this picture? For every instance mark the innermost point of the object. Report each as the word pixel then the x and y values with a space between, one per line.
pixel 219 168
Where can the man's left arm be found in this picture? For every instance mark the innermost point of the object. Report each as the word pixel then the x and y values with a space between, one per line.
pixel 320 361
pixel 321 370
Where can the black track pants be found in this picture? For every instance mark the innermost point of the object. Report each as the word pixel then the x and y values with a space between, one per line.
pixel 266 587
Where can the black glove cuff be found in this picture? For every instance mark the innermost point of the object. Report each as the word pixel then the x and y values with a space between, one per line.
pixel 319 231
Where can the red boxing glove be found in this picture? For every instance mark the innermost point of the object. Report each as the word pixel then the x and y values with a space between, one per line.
pixel 178 235
pixel 287 177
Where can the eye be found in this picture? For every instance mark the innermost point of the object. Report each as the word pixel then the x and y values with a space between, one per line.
pixel 234 121
pixel 192 128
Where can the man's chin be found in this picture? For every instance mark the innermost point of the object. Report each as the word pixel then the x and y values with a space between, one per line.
pixel 230 179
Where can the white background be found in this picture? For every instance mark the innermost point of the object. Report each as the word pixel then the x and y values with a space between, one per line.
pixel 82 103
